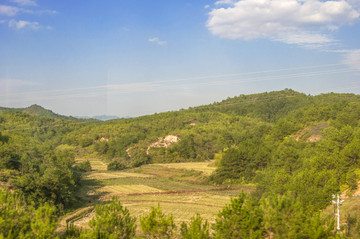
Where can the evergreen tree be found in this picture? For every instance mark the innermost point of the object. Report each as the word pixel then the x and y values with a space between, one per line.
pixel 242 218
pixel 196 229
pixel 156 224
pixel 112 220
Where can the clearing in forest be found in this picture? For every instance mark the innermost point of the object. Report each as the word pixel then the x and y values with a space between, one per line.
pixel 180 188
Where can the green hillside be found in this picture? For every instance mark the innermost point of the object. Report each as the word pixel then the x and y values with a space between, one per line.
pixel 296 149
pixel 36 110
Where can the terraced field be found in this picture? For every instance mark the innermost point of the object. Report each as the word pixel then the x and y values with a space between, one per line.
pixel 180 189
pixel 206 168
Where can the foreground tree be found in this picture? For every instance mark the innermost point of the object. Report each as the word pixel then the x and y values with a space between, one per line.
pixel 112 220
pixel 240 219
pixel 196 229
pixel 20 219
pixel 156 224
pixel 285 217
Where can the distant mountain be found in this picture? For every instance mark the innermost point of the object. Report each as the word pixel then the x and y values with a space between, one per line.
pixel 41 111
pixel 36 110
pixel 105 117
pixel 99 117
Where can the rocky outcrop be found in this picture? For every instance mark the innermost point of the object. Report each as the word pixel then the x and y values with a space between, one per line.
pixel 163 142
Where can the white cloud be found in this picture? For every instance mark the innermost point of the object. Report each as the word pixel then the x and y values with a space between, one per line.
pixel 157 41
pixel 24 25
pixel 2 21
pixel 305 38
pixel 8 10
pixel 290 21
pixel 352 59
pixel 225 2
pixel 21 24
pixel 25 2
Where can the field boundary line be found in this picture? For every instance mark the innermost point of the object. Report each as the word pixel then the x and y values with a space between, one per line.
pixel 169 192
pixel 171 202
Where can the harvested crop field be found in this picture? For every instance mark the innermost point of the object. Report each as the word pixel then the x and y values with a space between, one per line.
pixel 180 189
pixel 113 175
pixel 206 168
pixel 127 189
pixel 96 164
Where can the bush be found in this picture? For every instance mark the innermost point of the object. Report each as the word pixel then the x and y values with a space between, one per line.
pixel 19 218
pixel 101 147
pixel 140 159
pixel 84 166
pixel 116 164
pixel 9 158
pixel 71 232
pixel 112 220
pixel 156 224
pixel 240 219
pixel 85 142
pixel 196 230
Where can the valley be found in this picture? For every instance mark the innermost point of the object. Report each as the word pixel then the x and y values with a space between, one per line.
pixel 243 167
pixel 179 188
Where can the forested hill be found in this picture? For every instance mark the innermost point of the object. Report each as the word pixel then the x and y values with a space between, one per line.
pixel 36 110
pixel 289 144
pixel 269 106
pixel 201 131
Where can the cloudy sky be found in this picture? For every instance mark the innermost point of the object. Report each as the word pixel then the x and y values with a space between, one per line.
pixel 137 57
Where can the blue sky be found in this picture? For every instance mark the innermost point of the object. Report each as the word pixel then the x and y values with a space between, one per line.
pixel 137 57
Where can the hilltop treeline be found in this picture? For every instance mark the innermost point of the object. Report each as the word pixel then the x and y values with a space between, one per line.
pixel 287 143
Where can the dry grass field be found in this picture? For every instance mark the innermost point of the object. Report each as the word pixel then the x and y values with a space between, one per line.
pixel 206 168
pixel 96 164
pixel 181 189
pixel 107 175
pixel 118 190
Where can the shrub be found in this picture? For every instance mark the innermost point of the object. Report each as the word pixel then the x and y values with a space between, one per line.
pixel 196 229
pixel 84 166
pixel 72 232
pixel 156 224
pixel 19 218
pixel 85 142
pixel 116 164
pixel 112 220
pixel 240 219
